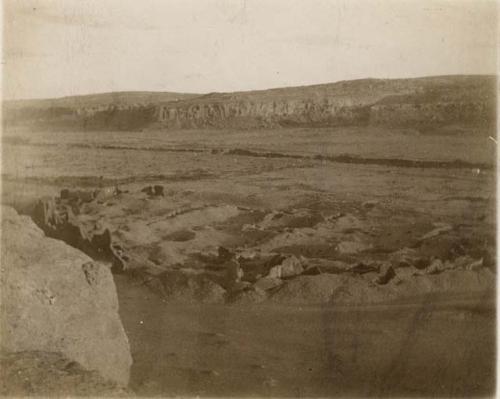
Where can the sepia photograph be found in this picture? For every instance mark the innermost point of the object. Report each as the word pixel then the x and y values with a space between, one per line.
pixel 248 198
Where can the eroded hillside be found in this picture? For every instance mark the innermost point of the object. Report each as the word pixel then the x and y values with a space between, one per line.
pixel 451 102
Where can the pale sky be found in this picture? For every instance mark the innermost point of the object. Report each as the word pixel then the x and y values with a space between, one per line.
pixel 54 48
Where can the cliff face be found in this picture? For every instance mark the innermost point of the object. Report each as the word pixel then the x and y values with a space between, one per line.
pixel 422 102
pixel 426 101
pixel 262 114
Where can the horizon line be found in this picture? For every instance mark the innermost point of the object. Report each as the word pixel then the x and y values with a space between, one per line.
pixel 3 100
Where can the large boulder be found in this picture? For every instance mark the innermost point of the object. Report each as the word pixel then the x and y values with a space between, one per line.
pixel 267 283
pixel 54 298
pixel 289 267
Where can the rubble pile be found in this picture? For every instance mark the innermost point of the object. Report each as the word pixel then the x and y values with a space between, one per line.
pixel 194 253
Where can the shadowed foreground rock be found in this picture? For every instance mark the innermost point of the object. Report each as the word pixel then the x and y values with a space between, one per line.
pixel 51 374
pixel 56 299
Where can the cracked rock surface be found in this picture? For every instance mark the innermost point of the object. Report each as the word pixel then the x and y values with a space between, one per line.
pixel 55 298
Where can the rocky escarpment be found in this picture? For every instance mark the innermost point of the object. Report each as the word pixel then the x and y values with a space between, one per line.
pixel 412 102
pixel 423 103
pixel 124 110
pixel 56 299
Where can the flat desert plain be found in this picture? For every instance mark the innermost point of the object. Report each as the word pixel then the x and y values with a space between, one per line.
pixel 281 262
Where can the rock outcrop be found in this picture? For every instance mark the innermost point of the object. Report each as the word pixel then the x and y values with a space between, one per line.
pixel 54 298
pixel 203 253
pixel 424 103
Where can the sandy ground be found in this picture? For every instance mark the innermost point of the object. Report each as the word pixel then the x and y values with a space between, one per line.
pixel 439 344
pixel 433 346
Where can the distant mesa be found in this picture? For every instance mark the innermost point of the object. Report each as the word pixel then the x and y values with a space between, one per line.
pixel 427 103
